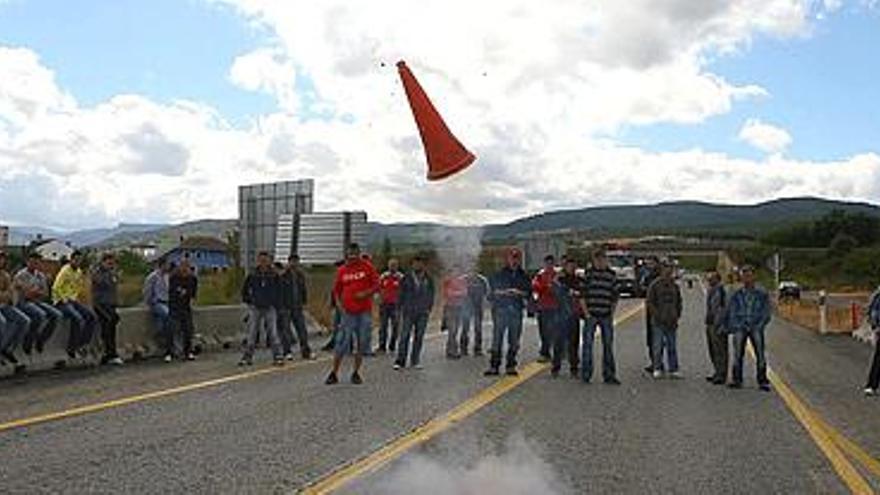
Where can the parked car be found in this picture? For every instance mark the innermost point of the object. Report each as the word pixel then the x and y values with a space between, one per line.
pixel 789 290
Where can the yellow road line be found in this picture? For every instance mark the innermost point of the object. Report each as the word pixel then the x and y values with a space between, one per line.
pixel 823 435
pixel 852 449
pixel 375 461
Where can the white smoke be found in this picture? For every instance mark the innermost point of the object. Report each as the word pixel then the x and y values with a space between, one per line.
pixel 517 470
pixel 458 248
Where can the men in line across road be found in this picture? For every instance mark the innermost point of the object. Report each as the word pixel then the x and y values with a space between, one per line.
pixel 547 306
pixel 291 309
pixel 155 296
pixel 873 386
pixel 568 336
pixel 665 303
pixel 716 336
pixel 389 306
pixel 650 273
pixel 416 303
pixel 13 323
pixel 356 282
pixel 261 294
pixel 183 287
pixel 747 315
pixel 105 297
pixel 69 294
pixel 510 288
pixel 600 294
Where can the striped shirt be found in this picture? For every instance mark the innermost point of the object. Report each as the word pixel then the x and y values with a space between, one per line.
pixel 600 292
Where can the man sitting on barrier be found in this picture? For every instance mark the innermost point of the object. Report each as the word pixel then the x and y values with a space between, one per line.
pixel 32 287
pixel 69 294
pixel 13 323
pixel 155 294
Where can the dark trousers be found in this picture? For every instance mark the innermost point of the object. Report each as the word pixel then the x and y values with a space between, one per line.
pixel 109 320
pixel 182 319
pixel 649 334
pixel 290 320
pixel 719 351
pixel 546 330
pixel 473 314
pixel 414 326
pixel 566 343
pixel 389 315
pixel 609 367
pixel 874 375
pixel 507 323
pixel 82 324
pixel 756 337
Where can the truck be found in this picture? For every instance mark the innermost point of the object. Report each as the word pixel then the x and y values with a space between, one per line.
pixel 623 262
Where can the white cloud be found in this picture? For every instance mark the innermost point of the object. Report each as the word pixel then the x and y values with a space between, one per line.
pixel 537 93
pixel 765 137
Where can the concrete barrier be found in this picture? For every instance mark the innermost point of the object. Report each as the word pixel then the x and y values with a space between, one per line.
pixel 216 328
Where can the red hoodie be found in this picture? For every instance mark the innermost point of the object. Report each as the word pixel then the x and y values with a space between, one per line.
pixel 351 278
pixel 455 290
pixel 542 287
pixel 389 287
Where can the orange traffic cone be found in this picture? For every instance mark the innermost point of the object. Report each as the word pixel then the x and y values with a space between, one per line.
pixel 446 155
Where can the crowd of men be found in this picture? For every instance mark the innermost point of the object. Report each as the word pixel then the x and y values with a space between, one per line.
pixel 31 307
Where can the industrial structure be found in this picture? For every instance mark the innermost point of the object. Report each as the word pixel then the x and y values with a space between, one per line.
pixel 259 208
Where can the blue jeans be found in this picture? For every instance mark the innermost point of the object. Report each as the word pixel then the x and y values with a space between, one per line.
pixel 606 325
pixel 508 322
pixel 14 324
pixel 473 314
pixel 414 326
pixel 756 337
pixel 83 322
pixel 664 338
pixel 355 328
pixel 44 320
pixel 257 319
pixel 162 321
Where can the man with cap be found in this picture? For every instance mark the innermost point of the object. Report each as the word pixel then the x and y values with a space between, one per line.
pixel 13 323
pixel 747 315
pixel 510 288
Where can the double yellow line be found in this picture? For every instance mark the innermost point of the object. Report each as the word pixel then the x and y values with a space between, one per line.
pixel 380 458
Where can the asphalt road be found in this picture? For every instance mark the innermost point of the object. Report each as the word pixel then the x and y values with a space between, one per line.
pixel 279 431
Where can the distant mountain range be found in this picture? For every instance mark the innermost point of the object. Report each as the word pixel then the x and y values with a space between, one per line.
pixel 683 217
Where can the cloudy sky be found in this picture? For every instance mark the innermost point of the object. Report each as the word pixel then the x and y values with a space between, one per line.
pixel 155 111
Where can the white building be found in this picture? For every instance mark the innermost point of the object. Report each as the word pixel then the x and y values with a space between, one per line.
pixel 146 251
pixel 54 250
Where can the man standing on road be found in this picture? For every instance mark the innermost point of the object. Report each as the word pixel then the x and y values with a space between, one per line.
pixel 568 337
pixel 155 294
pixel 652 272
pixel 747 315
pixel 183 287
pixel 600 293
pixel 416 302
pixel 105 297
pixel 716 335
pixel 547 306
pixel 874 319
pixel 455 296
pixel 260 293
pixel 510 288
pixel 69 295
pixel 477 289
pixel 32 286
pixel 293 298
pixel 389 307
pixel 356 282
pixel 14 324
pixel 664 299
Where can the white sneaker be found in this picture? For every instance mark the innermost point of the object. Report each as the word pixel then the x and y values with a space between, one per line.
pixel 190 357
pixel 657 374
pixel 870 392
pixel 676 375
pixel 397 367
pixel 418 367
pixel 288 356
pixel 167 358
pixel 117 361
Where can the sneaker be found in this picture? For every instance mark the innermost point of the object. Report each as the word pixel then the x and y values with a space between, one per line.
pixel 190 357
pixel 418 367
pixel 167 358
pixel 511 372
pixel 676 375
pixel 19 369
pixel 288 356
pixel 612 381
pixel 719 381
pixel 657 374
pixel 331 379
pixel 117 361
pixel 735 385
pixel 309 356
pixel 649 369
pixel 478 352
pixel 453 356
pixel 279 361
pixel 245 362
pixel 397 367
pixel 711 378
pixel 491 372
pixel 870 392
pixel 356 378
pixel 765 387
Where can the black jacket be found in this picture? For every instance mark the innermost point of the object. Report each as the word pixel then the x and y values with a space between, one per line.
pixel 508 278
pixel 261 289
pixel 292 288
pixel 182 290
pixel 416 294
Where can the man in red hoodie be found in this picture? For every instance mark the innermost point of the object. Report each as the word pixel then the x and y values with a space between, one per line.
pixel 548 306
pixel 356 282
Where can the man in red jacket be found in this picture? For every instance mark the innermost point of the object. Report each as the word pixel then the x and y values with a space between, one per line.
pixel 548 306
pixel 356 282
